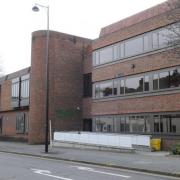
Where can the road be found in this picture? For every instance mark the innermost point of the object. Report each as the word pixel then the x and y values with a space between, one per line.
pixel 18 167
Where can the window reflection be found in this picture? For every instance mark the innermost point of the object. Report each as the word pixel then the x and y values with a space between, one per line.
pixel 106 55
pixel 162 123
pixel 144 83
pixel 134 46
pixel 104 124
pixel 164 81
pixel 134 84
pixel 155 82
pixel 159 38
pixel 106 89
pixel 175 78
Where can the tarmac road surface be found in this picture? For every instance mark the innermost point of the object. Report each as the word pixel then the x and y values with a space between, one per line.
pixel 18 167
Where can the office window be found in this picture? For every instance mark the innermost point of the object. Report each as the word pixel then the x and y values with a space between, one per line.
pixel 20 91
pixel 104 124
pixel 147 42
pixel 122 124
pixel 106 89
pixel 106 55
pixel 140 83
pixel 147 124
pixel 15 91
pixel 134 84
pixel 20 123
pixel 158 124
pixel 1 124
pixel 175 78
pixel 117 124
pixel 137 124
pixel 116 52
pixel 155 40
pixel 122 87
pixel 164 81
pixel 87 85
pixel 174 123
pixel 115 87
pixel 25 90
pixel 155 82
pixel 164 37
pixel 146 83
pixel 97 91
pixel 134 46
pixel 127 124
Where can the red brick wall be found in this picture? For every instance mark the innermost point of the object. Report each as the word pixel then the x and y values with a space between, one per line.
pixel 6 95
pixel 139 17
pixel 142 64
pixel 87 108
pixel 133 30
pixel 66 56
pixel 125 29
pixel 161 103
pixel 9 125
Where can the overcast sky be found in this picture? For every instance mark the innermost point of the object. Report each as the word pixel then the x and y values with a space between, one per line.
pixel 78 17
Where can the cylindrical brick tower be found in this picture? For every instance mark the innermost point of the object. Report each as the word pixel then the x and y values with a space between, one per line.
pixel 66 55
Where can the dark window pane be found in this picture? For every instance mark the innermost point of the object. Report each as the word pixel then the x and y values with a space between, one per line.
pixel 122 124
pixel 1 124
pixel 20 123
pixel 122 87
pixel 173 125
pixel 155 82
pixel 146 83
pixel 134 84
pixel 87 85
pixel 164 80
pixel 115 87
pixel 175 78
pixel 106 89
pixel 127 125
pixel 134 46
pixel 158 124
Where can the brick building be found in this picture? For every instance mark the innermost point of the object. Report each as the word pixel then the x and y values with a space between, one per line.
pixel 125 81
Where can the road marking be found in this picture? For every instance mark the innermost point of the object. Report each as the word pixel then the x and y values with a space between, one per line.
pixel 100 172
pixel 48 173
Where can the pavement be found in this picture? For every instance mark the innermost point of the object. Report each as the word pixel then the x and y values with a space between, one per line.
pixel 151 162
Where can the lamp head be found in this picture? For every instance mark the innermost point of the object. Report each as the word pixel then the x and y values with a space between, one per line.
pixel 35 9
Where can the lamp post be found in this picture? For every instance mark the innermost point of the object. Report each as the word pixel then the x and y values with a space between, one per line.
pixel 36 9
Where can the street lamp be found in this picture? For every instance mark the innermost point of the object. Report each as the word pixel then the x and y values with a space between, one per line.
pixel 36 9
